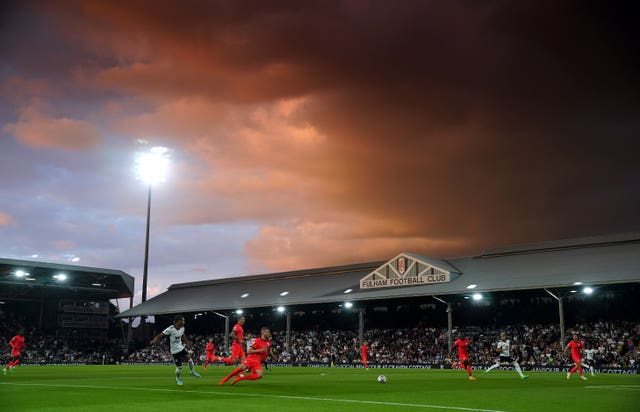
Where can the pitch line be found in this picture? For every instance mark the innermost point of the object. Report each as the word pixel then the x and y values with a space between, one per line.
pixel 616 387
pixel 257 395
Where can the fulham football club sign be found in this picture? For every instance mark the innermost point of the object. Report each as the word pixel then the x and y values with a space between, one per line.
pixel 408 270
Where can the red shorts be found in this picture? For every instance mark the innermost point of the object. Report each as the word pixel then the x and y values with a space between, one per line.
pixel 576 359
pixel 15 353
pixel 211 356
pixel 253 364
pixel 237 352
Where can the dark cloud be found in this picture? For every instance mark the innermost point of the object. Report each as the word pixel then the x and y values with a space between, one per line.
pixel 352 130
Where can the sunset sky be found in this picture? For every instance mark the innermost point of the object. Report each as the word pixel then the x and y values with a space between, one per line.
pixel 312 133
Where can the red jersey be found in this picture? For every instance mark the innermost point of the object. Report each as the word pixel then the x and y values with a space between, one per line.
pixel 237 329
pixel 576 347
pixel 364 351
pixel 17 343
pixel 258 344
pixel 463 347
pixel 209 348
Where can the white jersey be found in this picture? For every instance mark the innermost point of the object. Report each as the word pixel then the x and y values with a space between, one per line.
pixel 175 339
pixel 250 343
pixel 503 347
pixel 589 353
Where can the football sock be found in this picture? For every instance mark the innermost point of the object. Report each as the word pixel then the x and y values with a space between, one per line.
pixel 178 371
pixel 495 365
pixel 249 377
pixel 234 372
pixel 573 370
pixel 580 370
pixel 469 369
pixel 517 366
pixel 191 365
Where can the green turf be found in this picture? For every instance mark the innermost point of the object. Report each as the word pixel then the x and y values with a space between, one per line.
pixel 152 388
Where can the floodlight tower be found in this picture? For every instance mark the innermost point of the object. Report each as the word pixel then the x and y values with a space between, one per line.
pixel 151 168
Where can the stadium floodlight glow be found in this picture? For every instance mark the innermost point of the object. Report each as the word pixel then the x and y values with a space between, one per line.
pixel 96 284
pixel 348 291
pixel 60 277
pixel 75 259
pixel 348 305
pixel 472 286
pixel 577 283
pixel 152 166
pixel 285 293
pixel 587 290
pixel 280 309
pixel 35 255
pixel 20 273
pixel 239 312
pixel 477 296
pixel 574 291
pixel 31 279
pixel 244 295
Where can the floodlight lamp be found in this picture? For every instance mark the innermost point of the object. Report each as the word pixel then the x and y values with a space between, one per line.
pixel 587 290
pixel 280 309
pixel 20 273
pixel 348 305
pixel 151 167
pixel 60 276
pixel 239 312
pixel 477 296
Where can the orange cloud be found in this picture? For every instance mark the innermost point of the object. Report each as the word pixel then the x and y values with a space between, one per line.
pixel 64 244
pixel 38 130
pixel 6 219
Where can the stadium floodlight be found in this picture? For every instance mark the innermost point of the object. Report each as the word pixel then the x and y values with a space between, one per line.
pixel 60 276
pixel 573 291
pixel 348 305
pixel 348 291
pixel 587 290
pixel 280 309
pixel 35 255
pixel 239 312
pixel 20 273
pixel 244 295
pixel 477 296
pixel 577 283
pixel 75 259
pixel 472 286
pixel 151 168
pixel 285 293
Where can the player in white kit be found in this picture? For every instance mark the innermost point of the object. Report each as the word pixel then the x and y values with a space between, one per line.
pixel 178 345
pixel 504 347
pixel 589 358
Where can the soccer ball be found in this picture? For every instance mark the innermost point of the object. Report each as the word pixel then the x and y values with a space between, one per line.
pixel 382 379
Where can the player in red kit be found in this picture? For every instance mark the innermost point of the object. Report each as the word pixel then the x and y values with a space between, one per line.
pixel 258 353
pixel 237 350
pixel 364 353
pixel 210 350
pixel 17 344
pixel 462 345
pixel 576 347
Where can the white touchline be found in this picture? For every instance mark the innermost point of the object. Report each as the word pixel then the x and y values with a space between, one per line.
pixel 616 387
pixel 257 395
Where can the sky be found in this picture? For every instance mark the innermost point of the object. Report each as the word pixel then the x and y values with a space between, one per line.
pixel 312 133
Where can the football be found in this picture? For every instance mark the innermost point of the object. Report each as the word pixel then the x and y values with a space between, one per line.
pixel 382 379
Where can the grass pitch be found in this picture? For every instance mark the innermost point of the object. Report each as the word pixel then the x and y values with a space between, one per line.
pixel 153 388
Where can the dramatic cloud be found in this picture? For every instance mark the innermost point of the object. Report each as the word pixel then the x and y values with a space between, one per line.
pixel 41 131
pixel 320 133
